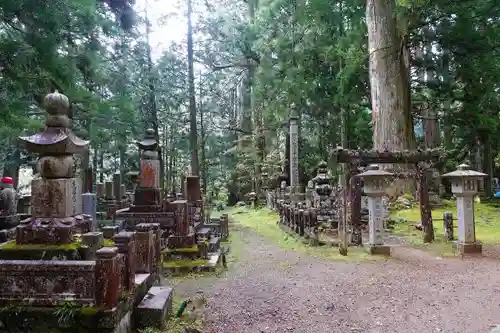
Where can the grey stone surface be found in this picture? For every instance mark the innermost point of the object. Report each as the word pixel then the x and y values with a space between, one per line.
pixel 154 308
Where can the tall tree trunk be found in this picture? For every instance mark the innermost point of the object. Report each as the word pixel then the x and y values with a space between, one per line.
pixel 203 165
pixel 430 117
pixel 193 132
pixel 445 73
pixel 390 89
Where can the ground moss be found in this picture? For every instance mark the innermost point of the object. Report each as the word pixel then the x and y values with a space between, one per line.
pixel 487 220
pixel 11 245
pixel 89 311
pixel 264 222
pixel 192 249
pixel 109 242
pixel 185 263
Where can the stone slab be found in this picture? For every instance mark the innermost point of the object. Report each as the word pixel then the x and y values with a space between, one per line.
pixel 154 308
pixel 468 248
pixel 209 265
pixel 142 283
pixel 383 250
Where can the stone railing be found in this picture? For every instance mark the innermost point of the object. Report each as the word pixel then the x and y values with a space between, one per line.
pixel 302 221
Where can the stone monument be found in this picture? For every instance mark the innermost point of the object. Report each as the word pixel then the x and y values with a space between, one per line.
pixel 294 154
pixel 464 186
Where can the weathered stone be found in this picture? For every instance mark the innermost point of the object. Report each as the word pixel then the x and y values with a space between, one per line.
pixel 144 248
pixel 56 197
pixel 47 282
pixel 125 242
pixel 107 278
pixel 155 308
pixel 110 231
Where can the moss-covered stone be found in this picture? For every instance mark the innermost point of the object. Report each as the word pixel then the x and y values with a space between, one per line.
pixel 184 263
pixel 12 245
pixel 109 242
pixel 13 251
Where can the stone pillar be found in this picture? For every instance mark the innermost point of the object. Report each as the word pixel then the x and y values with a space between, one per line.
pixel 464 186
pixel 145 248
pixel 374 186
pixel 125 242
pixel 108 190
pixel 117 184
pixel 94 241
pixel 448 225
pixel 89 204
pixel 193 189
pixel 100 190
pixel 294 154
pixel 123 191
pixel 107 278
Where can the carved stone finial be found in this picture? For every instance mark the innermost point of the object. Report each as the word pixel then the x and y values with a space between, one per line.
pixel 57 107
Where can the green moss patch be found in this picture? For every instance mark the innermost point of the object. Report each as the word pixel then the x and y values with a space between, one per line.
pixel 11 245
pixel 264 222
pixel 184 263
pixel 109 242
pixel 192 249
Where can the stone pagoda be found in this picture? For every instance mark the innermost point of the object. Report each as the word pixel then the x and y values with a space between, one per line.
pixel 322 195
pixel 56 196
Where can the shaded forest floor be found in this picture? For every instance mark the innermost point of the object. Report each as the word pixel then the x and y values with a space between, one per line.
pixel 275 283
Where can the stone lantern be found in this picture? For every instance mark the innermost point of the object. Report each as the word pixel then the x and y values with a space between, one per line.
pixel 374 186
pixel 252 196
pixel 464 187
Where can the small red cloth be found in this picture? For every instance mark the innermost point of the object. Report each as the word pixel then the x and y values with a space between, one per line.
pixel 7 180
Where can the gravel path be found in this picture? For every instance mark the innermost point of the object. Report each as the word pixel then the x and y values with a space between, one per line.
pixel 272 290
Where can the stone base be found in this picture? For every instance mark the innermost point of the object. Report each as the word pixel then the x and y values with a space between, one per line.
pixel 52 230
pixel 35 319
pixel 383 250
pixel 468 248
pixel 178 267
pixel 154 309
pixel 147 197
pixel 181 253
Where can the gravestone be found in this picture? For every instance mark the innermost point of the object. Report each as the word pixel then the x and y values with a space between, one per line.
pixel 89 207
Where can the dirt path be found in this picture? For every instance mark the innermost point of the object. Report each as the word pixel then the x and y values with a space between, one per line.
pixel 272 290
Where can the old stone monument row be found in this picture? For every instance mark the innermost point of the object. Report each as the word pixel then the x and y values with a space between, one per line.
pixel 59 259
pixel 321 203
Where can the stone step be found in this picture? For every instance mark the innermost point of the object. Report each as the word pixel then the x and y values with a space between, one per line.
pixel 214 244
pixel 155 307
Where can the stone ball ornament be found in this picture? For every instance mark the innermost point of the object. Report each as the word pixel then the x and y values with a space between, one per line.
pixel 56 104
pixel 55 166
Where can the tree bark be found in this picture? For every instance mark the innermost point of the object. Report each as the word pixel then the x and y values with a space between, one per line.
pixel 389 80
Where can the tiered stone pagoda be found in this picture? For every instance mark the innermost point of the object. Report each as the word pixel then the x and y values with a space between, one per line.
pixel 56 196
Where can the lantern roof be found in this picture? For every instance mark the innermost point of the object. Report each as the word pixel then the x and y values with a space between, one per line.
pixel 463 170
